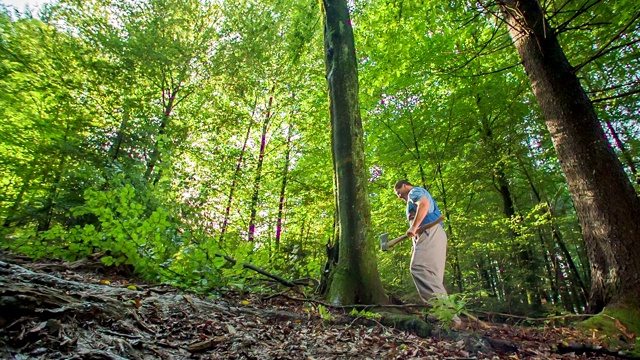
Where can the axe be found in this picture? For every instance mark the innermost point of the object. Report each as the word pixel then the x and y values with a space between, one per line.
pixel 386 244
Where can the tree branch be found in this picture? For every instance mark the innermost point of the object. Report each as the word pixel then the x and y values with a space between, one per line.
pixel 586 6
pixel 603 49
pixel 612 88
pixel 489 72
pixel 263 272
pixel 618 96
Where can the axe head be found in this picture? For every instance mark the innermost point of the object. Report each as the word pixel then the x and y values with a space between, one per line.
pixel 383 241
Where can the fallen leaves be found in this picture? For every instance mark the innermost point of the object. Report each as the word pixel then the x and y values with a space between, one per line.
pixel 207 344
pixel 165 324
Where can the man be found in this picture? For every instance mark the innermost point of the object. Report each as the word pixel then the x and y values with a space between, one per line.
pixel 430 247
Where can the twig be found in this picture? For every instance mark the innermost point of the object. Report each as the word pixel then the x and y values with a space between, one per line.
pixel 604 48
pixel 532 319
pixel 354 306
pixel 488 72
pixel 109 332
pixel 207 344
pixel 483 324
pixel 141 324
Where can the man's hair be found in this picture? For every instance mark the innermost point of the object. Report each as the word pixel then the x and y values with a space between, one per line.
pixel 400 183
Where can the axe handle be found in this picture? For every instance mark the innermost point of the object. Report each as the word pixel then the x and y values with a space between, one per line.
pixel 421 229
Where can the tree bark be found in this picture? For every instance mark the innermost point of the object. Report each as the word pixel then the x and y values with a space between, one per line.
pixel 457 272
pixel 120 134
pixel 605 201
pixel 11 215
pixel 283 187
pixel 576 279
pixel 234 180
pixel 355 278
pixel 166 118
pixel 253 207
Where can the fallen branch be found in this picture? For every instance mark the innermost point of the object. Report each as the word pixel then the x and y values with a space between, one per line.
pixel 482 324
pixel 489 313
pixel 278 315
pixel 277 278
pixel 355 306
pixel 113 333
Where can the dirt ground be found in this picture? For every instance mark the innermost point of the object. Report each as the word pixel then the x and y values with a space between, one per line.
pixel 81 310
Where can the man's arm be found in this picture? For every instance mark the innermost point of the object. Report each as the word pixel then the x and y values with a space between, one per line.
pixel 422 209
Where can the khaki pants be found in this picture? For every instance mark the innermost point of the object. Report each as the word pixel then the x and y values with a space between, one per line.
pixel 428 261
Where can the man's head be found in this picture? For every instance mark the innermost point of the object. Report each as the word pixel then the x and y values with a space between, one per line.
pixel 402 189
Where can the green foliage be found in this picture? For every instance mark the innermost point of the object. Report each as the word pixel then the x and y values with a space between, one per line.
pixel 365 314
pixel 324 313
pixel 86 107
pixel 446 307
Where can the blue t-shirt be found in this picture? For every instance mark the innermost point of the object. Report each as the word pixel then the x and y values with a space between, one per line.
pixel 415 194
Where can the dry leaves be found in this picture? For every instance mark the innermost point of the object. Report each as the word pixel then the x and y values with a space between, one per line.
pixel 163 324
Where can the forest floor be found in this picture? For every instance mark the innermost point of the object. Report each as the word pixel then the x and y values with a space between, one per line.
pixel 82 310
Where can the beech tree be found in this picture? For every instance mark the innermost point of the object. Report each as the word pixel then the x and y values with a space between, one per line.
pixel 355 278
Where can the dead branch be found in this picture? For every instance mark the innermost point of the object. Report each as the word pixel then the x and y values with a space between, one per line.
pixel 263 272
pixel 489 313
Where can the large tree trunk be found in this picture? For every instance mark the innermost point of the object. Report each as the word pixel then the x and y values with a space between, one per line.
pixel 355 278
pixel 605 201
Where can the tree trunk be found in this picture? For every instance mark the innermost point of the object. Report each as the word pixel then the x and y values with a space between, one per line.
pixel 550 264
pixel 155 153
pixel 44 222
pixel 119 140
pixel 236 173
pixel 605 201
pixel 524 254
pixel 416 146
pixel 283 187
pixel 11 215
pixel 457 272
pixel 355 278
pixel 253 207
pixel 558 240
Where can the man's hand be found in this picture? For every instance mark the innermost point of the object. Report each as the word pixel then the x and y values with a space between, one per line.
pixel 411 232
